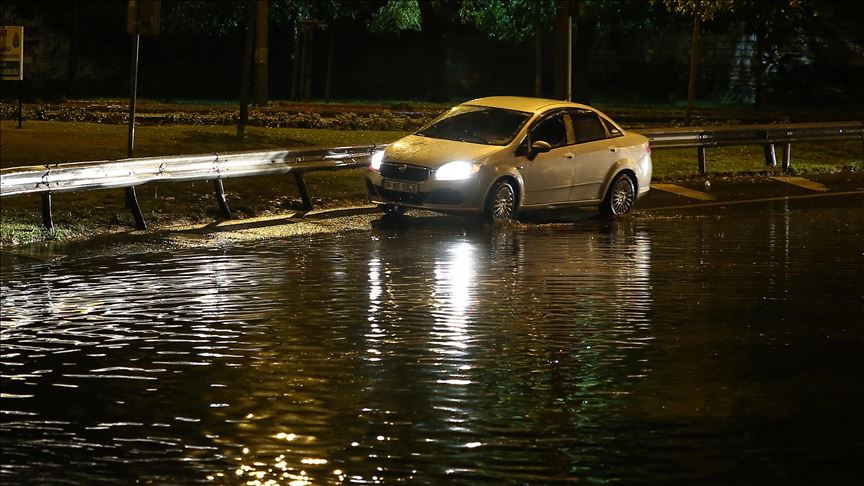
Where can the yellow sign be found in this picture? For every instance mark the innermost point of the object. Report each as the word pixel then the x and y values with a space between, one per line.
pixel 12 52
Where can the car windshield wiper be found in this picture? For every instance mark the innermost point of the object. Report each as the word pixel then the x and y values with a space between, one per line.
pixel 461 137
pixel 472 138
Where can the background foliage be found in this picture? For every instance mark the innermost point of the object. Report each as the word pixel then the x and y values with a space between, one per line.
pixel 752 51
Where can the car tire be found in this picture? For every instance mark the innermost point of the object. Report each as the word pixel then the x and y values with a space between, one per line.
pixel 620 197
pixel 501 203
pixel 392 210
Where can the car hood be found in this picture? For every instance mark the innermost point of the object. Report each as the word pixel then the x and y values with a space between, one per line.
pixel 435 152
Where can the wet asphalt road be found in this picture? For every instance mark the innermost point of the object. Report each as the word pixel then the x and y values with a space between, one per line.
pixel 705 343
pixel 688 197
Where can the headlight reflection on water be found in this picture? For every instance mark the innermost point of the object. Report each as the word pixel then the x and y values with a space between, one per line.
pixel 280 472
pixel 455 280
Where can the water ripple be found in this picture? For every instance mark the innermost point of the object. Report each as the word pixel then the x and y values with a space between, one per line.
pixel 432 355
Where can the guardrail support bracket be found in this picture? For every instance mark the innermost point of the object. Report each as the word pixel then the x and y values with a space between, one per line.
pixel 787 157
pixel 703 163
pixel 47 218
pixel 219 188
pixel 770 155
pixel 304 191
pixel 132 205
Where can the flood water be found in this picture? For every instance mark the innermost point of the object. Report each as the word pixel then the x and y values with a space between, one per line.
pixel 671 348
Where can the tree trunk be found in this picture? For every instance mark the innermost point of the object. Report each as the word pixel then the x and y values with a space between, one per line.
pixel 759 67
pixel 309 32
pixel 563 51
pixel 435 27
pixel 295 63
pixel 694 59
pixel 301 76
pixel 331 47
pixel 304 59
pixel 72 66
pixel 585 29
pixel 538 59
pixel 246 66
pixel 261 53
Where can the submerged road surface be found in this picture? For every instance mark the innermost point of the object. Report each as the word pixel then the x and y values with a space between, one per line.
pixel 720 345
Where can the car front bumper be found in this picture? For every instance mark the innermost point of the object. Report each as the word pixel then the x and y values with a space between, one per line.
pixel 464 197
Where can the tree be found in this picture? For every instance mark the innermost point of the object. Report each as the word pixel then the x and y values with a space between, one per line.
pixel 396 16
pixel 592 20
pixel 434 17
pixel 700 11
pixel 516 21
pixel 204 17
pixel 770 22
pixel 307 17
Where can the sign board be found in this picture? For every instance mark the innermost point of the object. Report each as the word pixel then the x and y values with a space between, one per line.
pixel 12 52
pixel 142 17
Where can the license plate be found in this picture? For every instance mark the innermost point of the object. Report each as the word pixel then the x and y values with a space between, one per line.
pixel 400 186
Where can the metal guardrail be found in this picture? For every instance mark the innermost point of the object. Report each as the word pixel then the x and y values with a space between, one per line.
pixel 767 136
pixel 128 173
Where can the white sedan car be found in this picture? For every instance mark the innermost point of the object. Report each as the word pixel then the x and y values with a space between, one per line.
pixel 500 155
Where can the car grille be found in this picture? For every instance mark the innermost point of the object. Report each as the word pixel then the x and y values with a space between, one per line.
pixel 395 170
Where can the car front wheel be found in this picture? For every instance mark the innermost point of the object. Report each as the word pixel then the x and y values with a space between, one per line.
pixel 621 196
pixel 501 205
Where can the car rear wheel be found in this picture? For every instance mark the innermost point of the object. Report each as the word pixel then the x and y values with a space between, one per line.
pixel 392 210
pixel 501 204
pixel 621 196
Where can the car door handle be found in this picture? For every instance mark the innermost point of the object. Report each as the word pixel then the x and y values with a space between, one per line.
pixel 613 149
pixel 568 156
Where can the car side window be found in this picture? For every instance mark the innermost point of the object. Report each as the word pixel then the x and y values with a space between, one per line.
pixel 611 129
pixel 551 130
pixel 587 126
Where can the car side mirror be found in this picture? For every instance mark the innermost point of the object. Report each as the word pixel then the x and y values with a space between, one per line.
pixel 538 147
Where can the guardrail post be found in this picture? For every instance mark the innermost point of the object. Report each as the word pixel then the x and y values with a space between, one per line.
pixel 703 163
pixel 47 219
pixel 132 204
pixel 219 188
pixel 770 155
pixel 787 157
pixel 304 192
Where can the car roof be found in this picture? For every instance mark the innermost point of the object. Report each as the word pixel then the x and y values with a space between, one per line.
pixel 522 103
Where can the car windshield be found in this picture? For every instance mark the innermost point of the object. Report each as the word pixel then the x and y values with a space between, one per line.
pixel 477 124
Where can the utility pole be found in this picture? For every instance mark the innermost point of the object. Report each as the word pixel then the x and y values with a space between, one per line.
pixel 142 19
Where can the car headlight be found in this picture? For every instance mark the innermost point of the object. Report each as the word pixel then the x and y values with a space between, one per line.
pixel 375 160
pixel 456 171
